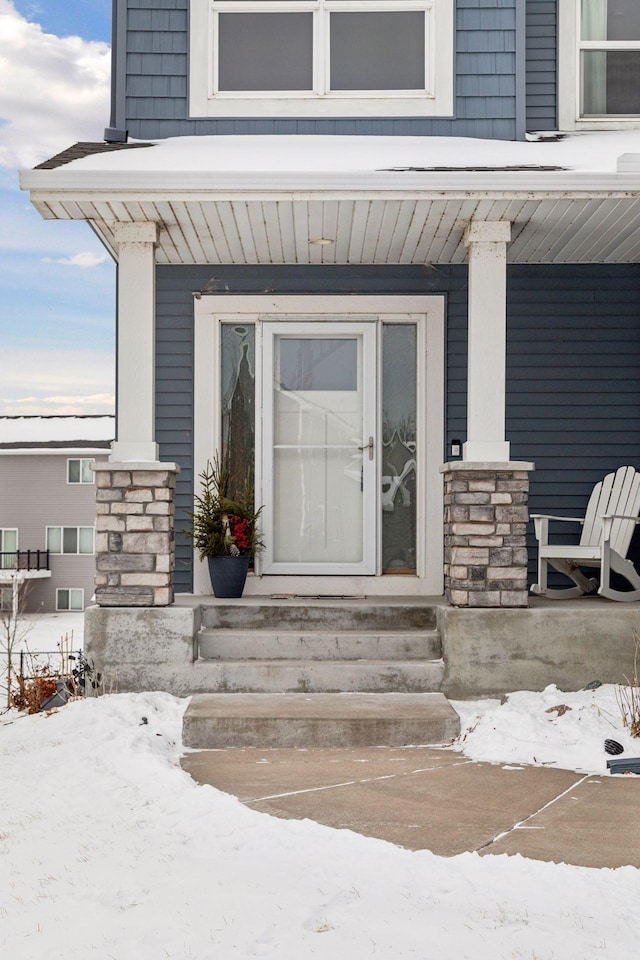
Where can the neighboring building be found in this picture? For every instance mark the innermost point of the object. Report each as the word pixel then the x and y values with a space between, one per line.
pixel 47 508
pixel 314 274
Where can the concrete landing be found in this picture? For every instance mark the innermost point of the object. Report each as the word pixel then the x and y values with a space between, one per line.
pixel 318 720
pixel 436 799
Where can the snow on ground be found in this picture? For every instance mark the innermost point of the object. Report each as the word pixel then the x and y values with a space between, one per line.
pixel 108 850
pixel 527 728
pixel 41 636
pixel 43 631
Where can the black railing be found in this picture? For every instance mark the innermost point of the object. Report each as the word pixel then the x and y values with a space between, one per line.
pixel 24 560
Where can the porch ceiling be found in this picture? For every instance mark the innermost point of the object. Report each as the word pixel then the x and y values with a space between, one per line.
pixel 556 218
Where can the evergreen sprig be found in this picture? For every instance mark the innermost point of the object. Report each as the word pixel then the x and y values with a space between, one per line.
pixel 222 524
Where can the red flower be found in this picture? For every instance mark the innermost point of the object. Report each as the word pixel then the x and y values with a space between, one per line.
pixel 240 532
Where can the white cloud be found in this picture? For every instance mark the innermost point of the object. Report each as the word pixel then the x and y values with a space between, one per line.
pixel 85 259
pixel 58 406
pixel 36 380
pixel 53 90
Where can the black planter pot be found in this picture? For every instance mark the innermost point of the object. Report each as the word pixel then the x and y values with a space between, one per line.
pixel 228 575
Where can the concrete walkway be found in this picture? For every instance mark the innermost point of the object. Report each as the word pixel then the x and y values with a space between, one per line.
pixel 435 799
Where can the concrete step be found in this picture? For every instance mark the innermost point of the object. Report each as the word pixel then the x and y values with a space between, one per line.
pixel 326 615
pixel 318 720
pixel 321 645
pixel 319 676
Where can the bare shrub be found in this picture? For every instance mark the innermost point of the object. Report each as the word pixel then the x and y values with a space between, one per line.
pixel 628 694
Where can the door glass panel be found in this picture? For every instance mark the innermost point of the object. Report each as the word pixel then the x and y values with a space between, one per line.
pixel 318 364
pixel 265 51
pixel 238 403
pixel 377 51
pixel 317 466
pixel 399 447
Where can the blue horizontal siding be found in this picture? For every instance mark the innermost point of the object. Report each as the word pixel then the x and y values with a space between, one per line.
pixel 157 49
pixel 573 366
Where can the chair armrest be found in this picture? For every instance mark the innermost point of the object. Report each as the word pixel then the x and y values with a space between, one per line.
pixel 548 516
pixel 541 525
pixel 607 522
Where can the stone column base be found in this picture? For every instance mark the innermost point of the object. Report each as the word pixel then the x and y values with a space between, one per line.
pixel 485 526
pixel 135 533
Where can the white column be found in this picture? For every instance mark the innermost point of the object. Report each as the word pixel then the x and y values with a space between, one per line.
pixel 136 342
pixel 486 242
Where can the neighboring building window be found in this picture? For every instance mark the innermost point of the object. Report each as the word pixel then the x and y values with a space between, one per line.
pixel 72 599
pixel 8 548
pixel 79 471
pixel 321 57
pixel 6 599
pixel 599 64
pixel 70 539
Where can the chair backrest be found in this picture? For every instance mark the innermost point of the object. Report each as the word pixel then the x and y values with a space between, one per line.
pixel 619 492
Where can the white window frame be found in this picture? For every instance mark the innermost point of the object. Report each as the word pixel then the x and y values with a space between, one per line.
pixel 5 564
pixel 570 46
pixel 79 460
pixel 62 528
pixel 70 590
pixel 205 100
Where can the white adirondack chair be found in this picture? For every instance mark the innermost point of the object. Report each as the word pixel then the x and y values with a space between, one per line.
pixel 607 528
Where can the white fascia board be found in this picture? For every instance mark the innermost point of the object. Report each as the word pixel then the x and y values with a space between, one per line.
pixel 154 184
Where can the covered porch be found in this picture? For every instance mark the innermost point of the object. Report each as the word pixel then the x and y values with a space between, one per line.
pixel 154 219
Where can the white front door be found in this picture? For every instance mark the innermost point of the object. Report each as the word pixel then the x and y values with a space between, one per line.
pixel 319 438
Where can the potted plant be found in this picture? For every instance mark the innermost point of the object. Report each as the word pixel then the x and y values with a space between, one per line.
pixel 224 528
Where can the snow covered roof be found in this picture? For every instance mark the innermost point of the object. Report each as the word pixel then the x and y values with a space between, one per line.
pixel 50 432
pixel 350 200
pixel 586 152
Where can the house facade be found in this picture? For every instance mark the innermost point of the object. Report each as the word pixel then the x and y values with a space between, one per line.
pixel 47 509
pixel 345 259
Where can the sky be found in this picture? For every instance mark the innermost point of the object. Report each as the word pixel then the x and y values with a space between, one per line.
pixel 57 283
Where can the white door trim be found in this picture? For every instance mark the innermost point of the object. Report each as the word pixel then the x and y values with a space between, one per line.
pixel 429 311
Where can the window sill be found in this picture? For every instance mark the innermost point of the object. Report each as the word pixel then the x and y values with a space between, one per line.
pixel 589 124
pixel 319 107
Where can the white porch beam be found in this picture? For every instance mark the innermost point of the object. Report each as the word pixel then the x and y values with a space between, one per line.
pixel 136 342
pixel 486 242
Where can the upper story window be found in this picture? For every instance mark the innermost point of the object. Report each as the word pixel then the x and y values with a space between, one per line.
pixel 79 471
pixel 599 64
pixel 321 57
pixel 70 539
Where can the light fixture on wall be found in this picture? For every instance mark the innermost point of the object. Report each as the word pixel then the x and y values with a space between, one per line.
pixel 321 241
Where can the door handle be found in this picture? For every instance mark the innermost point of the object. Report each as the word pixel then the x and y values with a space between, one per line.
pixel 368 446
